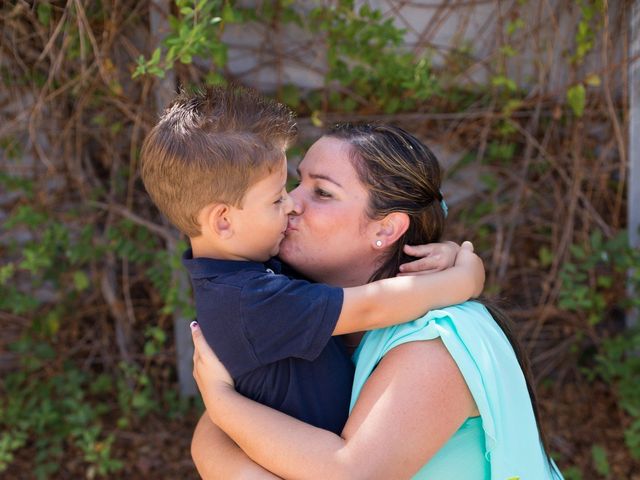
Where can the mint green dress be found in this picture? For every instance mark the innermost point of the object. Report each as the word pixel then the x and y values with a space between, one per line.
pixel 503 442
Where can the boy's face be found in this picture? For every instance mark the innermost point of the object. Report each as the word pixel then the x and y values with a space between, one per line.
pixel 259 226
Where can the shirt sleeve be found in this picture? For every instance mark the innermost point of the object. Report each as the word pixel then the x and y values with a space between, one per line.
pixel 284 318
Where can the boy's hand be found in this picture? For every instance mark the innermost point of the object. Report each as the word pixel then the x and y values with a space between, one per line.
pixel 473 264
pixel 435 257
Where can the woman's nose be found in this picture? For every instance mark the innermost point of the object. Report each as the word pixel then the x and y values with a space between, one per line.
pixel 296 203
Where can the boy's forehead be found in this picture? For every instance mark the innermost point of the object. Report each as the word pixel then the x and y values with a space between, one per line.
pixel 282 165
pixel 275 178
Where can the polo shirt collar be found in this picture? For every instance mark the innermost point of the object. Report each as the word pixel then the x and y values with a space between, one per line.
pixel 203 267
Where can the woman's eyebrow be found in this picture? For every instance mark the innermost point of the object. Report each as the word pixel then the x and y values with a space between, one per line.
pixel 319 176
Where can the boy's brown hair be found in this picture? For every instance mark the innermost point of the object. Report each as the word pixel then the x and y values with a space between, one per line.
pixel 211 146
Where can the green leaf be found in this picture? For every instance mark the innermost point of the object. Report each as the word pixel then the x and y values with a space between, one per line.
pixel 392 105
pixel 6 272
pixel 155 56
pixel 593 80
pixel 219 54
pixel 214 78
pixel 51 323
pixel 576 97
pixel 514 25
pixel 150 349
pixel 604 281
pixel 546 256
pixel 43 11
pixel 228 14
pixel 504 82
pixel 80 280
pixel 315 119
pixel 600 460
pixel 577 252
pixel 290 95
pixel 508 51
pixel 572 473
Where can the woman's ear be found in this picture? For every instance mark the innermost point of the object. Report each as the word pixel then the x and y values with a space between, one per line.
pixel 215 219
pixel 390 229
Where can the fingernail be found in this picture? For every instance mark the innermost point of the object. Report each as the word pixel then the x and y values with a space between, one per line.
pixel 193 325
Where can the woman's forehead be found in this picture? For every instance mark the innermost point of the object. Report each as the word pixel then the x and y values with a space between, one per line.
pixel 328 155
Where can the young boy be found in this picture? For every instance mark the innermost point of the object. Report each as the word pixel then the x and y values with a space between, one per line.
pixel 215 165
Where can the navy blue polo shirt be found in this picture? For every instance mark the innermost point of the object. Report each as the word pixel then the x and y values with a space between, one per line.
pixel 273 334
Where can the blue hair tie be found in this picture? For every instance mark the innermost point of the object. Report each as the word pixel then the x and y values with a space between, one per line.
pixel 443 204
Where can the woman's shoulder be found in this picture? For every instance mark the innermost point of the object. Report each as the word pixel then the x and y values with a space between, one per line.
pixel 439 331
pixel 467 326
pixel 465 309
pixel 432 324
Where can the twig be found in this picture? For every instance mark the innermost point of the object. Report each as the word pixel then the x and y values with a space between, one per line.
pixel 163 232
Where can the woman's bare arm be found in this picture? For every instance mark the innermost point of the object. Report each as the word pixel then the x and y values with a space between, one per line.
pixel 410 406
pixel 218 457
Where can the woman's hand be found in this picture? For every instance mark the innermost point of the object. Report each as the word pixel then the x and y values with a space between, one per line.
pixel 208 371
pixel 214 453
pixel 434 257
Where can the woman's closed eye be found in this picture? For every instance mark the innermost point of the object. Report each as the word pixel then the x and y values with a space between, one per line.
pixel 322 193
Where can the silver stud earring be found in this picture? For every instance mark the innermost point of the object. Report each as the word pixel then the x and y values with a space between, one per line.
pixel 378 243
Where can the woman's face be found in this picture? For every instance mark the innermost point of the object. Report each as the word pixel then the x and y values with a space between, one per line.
pixel 330 238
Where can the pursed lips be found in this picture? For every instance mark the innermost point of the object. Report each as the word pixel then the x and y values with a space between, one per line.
pixel 290 228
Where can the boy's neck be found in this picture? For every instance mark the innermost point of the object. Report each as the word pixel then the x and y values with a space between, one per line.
pixel 200 248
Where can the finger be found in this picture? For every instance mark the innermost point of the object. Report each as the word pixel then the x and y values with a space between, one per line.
pixel 194 328
pixel 199 342
pixel 420 250
pixel 467 245
pixel 196 335
pixel 202 350
pixel 433 262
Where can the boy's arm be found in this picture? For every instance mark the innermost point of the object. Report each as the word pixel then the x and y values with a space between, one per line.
pixel 283 318
pixel 397 300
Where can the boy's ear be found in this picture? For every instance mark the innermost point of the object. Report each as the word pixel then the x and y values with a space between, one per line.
pixel 215 219
pixel 390 229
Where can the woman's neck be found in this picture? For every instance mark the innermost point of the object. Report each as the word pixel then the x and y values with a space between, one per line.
pixel 352 277
pixel 352 341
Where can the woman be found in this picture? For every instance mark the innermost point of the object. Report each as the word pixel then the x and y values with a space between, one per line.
pixel 443 397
